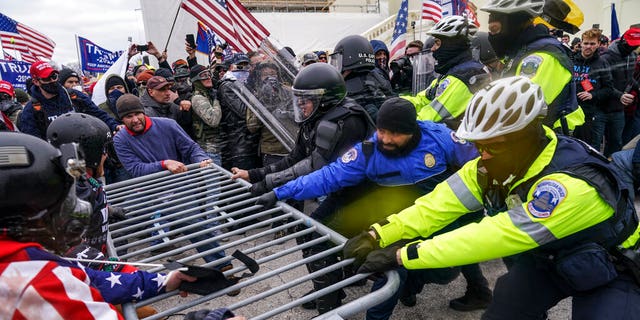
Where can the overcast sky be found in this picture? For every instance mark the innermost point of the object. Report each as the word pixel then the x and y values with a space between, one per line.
pixel 108 23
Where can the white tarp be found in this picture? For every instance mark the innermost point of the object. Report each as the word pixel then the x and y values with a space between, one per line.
pixel 301 31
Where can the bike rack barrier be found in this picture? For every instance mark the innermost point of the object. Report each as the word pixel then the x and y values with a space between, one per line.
pixel 205 203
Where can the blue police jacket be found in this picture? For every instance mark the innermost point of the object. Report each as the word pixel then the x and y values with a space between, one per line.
pixel 439 149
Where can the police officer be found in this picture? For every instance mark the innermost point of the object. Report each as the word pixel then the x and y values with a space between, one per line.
pixel 554 204
pixel 528 50
pixel 353 56
pixel 330 124
pixel 403 160
pixel 460 76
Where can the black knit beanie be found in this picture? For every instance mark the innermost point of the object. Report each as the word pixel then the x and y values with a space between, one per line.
pixel 114 80
pixel 66 74
pixel 397 115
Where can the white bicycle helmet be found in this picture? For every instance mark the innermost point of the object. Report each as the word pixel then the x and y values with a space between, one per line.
pixel 504 106
pixel 452 26
pixel 532 7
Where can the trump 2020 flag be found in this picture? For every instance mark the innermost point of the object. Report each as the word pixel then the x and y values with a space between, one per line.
pixel 399 39
pixel 94 58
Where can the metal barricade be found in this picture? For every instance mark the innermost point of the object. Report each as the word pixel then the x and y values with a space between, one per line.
pixel 196 215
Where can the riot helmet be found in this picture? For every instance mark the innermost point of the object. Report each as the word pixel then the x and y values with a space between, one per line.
pixel 37 194
pixel 353 52
pixel 316 88
pixel 91 133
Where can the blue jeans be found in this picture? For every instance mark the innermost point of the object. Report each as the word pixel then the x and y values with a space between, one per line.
pixel 609 126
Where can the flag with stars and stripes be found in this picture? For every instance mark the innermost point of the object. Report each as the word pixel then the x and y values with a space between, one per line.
pixel 38 283
pixel 431 10
pixel 31 44
pixel 399 39
pixel 230 20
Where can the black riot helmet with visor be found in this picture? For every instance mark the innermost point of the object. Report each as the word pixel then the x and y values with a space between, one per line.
pixel 91 133
pixel 316 89
pixel 353 52
pixel 38 202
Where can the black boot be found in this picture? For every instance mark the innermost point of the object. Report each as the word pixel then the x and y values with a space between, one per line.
pixel 475 298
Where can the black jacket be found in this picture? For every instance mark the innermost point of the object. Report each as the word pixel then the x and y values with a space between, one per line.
pixel 239 141
pixel 621 71
pixel 597 71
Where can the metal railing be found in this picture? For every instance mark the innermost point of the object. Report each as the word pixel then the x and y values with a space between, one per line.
pixel 190 216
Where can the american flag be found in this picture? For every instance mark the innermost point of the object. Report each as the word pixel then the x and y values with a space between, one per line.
pixel 399 40
pixel 7 56
pixel 230 20
pixel 31 44
pixel 431 10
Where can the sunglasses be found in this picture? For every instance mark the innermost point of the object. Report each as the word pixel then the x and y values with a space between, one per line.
pixel 52 77
pixel 494 149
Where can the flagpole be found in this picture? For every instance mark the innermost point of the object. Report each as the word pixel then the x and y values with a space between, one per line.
pixel 172 25
pixel 79 56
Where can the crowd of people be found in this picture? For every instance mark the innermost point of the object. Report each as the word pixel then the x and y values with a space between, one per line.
pixel 472 146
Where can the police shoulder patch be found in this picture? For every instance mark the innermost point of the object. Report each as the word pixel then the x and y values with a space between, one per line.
pixel 529 65
pixel 456 139
pixel 349 156
pixel 442 86
pixel 546 197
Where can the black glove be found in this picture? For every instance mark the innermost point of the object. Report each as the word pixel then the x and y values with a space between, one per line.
pixel 380 260
pixel 218 314
pixel 258 188
pixel 268 199
pixel 117 214
pixel 359 247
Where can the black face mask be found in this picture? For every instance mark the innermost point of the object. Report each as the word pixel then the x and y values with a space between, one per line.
pixel 500 43
pixel 51 88
pixel 521 153
pixel 450 49
pixel 5 105
pixel 113 97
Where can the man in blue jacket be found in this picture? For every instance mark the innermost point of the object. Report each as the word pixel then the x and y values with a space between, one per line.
pixel 403 160
pixel 49 100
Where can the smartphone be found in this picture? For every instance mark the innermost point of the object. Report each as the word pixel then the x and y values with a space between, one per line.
pixel 142 47
pixel 191 41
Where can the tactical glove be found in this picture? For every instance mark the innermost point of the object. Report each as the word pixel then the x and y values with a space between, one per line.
pixel 380 260
pixel 359 247
pixel 258 188
pixel 268 199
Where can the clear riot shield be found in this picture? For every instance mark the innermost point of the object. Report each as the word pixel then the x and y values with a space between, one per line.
pixel 423 71
pixel 267 94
